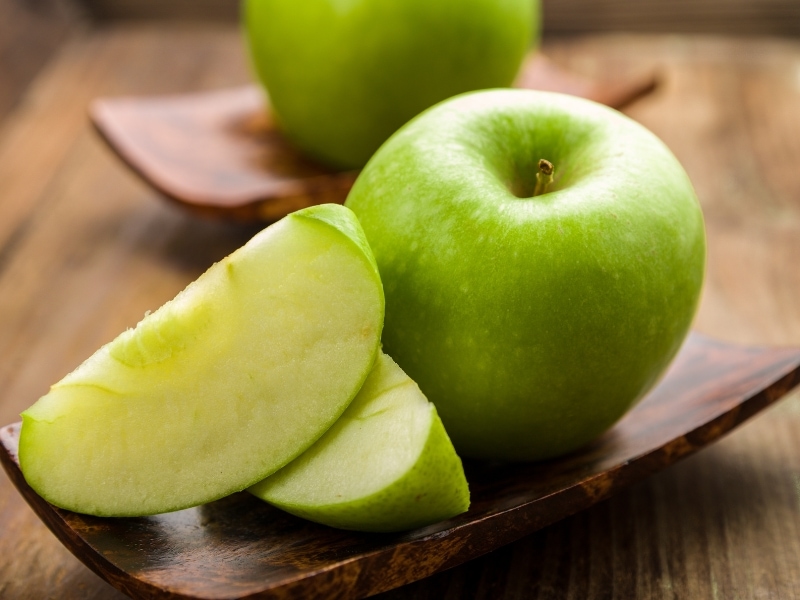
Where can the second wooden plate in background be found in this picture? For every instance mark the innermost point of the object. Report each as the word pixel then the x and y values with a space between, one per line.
pixel 219 153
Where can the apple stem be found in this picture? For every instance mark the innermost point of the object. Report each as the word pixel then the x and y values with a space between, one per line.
pixel 544 177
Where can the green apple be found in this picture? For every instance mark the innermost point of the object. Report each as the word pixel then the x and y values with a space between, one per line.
pixel 343 75
pixel 220 387
pixel 385 465
pixel 532 313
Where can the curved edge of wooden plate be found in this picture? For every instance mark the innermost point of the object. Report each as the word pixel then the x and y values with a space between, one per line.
pixel 711 388
pixel 219 154
pixel 54 518
pixel 216 153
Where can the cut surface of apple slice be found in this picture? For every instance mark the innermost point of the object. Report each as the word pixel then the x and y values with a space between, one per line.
pixel 386 465
pixel 221 386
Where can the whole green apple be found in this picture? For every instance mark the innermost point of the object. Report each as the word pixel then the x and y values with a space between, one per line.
pixel 533 306
pixel 343 75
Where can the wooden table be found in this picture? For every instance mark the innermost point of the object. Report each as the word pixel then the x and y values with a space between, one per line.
pixel 86 249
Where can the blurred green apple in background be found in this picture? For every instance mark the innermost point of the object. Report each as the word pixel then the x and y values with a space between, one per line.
pixel 220 387
pixel 532 308
pixel 343 75
pixel 385 465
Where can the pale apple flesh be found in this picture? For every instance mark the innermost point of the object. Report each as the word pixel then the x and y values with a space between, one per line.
pixel 532 322
pixel 386 465
pixel 343 75
pixel 220 387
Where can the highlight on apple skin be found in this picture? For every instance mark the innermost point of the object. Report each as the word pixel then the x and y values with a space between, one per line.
pixel 220 387
pixel 343 75
pixel 532 309
pixel 386 465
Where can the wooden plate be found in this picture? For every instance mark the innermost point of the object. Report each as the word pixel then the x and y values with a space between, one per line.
pixel 239 547
pixel 219 154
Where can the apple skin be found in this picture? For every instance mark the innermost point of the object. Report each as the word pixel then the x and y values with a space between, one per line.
pixel 343 75
pixel 532 323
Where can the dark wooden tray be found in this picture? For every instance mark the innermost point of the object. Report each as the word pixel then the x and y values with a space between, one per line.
pixel 219 154
pixel 239 547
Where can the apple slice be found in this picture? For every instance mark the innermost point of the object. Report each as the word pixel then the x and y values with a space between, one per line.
pixel 386 465
pixel 221 386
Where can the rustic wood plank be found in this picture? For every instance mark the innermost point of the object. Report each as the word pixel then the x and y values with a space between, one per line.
pixel 85 249
pixel 36 147
pixel 30 34
pixel 765 17
pixel 199 10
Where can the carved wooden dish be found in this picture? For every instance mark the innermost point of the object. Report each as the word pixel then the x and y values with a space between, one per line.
pixel 219 154
pixel 239 547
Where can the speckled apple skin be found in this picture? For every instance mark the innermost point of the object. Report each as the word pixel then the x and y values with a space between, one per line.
pixel 386 465
pixel 343 75
pixel 433 490
pixel 532 323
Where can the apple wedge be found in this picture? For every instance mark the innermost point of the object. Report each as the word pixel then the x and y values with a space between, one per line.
pixel 385 465
pixel 220 387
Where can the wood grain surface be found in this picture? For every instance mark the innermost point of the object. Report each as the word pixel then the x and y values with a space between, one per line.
pixel 239 547
pixel 86 249
pixel 183 10
pixel 765 17
pixel 770 17
pixel 30 33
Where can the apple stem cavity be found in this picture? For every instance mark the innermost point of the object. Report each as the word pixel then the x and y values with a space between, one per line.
pixel 544 177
